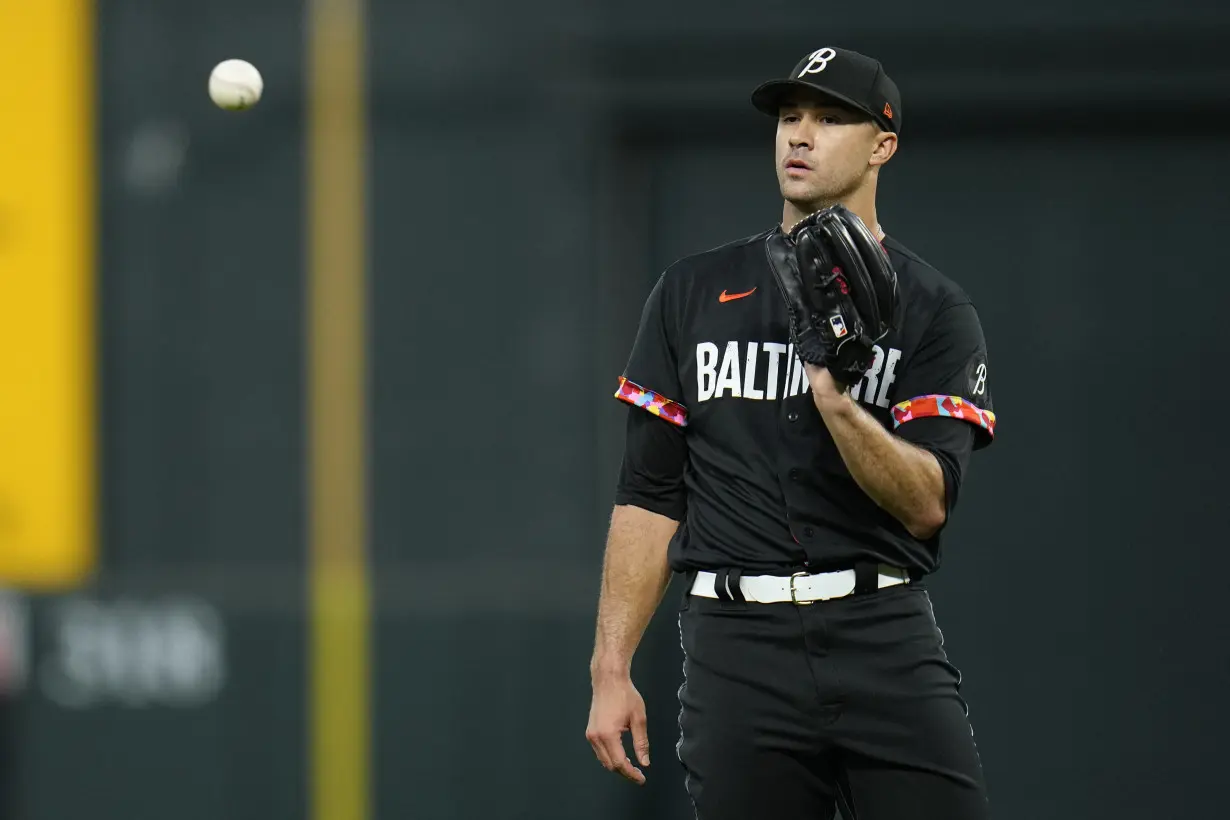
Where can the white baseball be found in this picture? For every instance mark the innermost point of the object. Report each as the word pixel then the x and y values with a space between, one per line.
pixel 235 85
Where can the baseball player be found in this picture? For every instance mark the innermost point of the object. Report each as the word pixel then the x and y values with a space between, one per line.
pixel 803 404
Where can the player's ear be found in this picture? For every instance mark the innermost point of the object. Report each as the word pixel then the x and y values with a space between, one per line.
pixel 883 146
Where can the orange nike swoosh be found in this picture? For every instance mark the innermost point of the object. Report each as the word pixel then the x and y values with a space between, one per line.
pixel 730 297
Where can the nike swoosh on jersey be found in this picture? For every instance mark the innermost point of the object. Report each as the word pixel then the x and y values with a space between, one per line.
pixel 730 297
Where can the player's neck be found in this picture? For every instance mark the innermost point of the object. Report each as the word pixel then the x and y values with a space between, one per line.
pixel 862 204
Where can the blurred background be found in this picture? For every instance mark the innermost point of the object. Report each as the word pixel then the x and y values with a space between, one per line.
pixel 307 444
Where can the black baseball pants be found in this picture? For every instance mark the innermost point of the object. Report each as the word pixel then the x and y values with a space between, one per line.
pixel 793 711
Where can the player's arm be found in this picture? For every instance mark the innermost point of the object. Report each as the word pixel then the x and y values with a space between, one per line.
pixel 942 412
pixel 635 573
pixel 905 480
pixel 649 504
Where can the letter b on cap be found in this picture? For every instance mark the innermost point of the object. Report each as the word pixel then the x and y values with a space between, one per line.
pixel 818 61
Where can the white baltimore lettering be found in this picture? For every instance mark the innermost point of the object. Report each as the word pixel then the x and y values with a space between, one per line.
pixel 790 360
pixel 732 369
pixel 879 377
pixel 728 376
pixel 890 376
pixel 775 351
pixel 873 375
pixel 706 370
pixel 750 391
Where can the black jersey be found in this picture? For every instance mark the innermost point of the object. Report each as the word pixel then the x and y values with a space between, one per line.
pixel 765 487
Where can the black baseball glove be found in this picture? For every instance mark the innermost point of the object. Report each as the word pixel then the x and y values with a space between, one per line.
pixel 840 290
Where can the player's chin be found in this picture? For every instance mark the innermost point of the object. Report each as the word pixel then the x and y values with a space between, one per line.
pixel 800 191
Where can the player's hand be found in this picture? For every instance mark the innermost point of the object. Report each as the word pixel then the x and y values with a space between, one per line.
pixel 617 708
pixel 825 389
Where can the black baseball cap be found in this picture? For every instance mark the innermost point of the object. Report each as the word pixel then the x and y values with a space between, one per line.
pixel 847 76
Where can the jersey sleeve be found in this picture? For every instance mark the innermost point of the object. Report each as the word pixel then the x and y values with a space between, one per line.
pixel 948 377
pixel 651 474
pixel 951 442
pixel 651 375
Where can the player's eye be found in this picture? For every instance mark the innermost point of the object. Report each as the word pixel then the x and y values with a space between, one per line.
pixel 831 119
pixel 790 118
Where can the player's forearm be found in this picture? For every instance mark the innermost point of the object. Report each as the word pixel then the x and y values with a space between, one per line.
pixel 635 574
pixel 903 479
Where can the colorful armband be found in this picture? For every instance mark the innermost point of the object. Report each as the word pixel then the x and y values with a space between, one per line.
pixel 655 403
pixel 943 407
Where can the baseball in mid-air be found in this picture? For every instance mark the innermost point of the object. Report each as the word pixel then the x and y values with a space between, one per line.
pixel 235 85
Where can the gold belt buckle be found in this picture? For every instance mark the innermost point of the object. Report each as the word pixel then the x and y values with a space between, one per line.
pixel 794 593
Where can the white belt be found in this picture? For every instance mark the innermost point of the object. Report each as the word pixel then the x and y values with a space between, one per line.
pixel 800 588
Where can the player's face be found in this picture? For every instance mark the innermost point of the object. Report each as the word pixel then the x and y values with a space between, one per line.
pixel 824 152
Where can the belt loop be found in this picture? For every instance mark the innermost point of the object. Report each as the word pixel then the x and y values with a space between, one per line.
pixel 726 585
pixel 732 581
pixel 866 578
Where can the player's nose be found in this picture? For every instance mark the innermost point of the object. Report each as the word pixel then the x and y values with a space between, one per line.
pixel 801 138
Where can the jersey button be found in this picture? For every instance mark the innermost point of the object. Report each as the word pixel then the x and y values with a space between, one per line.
pixel 808 532
pixel 792 417
pixel 795 474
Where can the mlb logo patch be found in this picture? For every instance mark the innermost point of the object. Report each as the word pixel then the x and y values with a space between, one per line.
pixel 839 326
